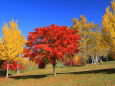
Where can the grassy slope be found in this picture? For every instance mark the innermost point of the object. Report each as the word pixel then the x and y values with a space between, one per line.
pixel 89 75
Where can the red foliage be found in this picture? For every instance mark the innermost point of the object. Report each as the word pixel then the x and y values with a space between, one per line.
pixel 1 63
pixel 42 65
pixel 12 66
pixel 68 62
pixel 51 42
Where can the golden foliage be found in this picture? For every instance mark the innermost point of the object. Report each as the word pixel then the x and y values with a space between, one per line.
pixel 12 44
pixel 84 29
pixel 109 28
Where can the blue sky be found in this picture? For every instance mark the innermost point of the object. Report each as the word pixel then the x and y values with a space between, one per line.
pixel 37 13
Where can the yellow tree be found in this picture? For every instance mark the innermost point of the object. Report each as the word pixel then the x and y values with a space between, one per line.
pixel 108 30
pixel 12 44
pixel 91 40
pixel 84 29
pixel 95 46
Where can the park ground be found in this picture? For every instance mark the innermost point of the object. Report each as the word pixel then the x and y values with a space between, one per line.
pixel 88 75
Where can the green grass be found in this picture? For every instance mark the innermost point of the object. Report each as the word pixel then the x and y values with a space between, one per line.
pixel 89 75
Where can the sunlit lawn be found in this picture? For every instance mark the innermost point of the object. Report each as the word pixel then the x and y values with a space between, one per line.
pixel 89 75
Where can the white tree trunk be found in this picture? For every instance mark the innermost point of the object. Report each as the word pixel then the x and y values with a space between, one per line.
pixel 107 58
pixel 93 60
pixel 71 61
pixel 17 71
pixel 54 69
pixel 97 59
pixel 101 60
pixel 7 69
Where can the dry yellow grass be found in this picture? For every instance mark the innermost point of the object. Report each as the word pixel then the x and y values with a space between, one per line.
pixel 89 75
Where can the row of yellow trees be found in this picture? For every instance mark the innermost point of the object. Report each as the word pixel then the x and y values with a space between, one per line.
pixel 97 41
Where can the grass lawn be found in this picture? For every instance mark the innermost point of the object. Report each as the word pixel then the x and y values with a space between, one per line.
pixel 89 75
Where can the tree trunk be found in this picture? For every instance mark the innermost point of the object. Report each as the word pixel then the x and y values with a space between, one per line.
pixel 96 59
pixel 7 69
pixel 17 71
pixel 71 61
pixel 21 68
pixel 101 59
pixel 93 60
pixel 107 58
pixel 54 69
pixel 30 66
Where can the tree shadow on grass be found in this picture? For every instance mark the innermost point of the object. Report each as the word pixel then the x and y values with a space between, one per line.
pixel 103 71
pixel 29 76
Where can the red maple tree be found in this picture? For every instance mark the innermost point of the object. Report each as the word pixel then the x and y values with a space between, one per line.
pixel 51 43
